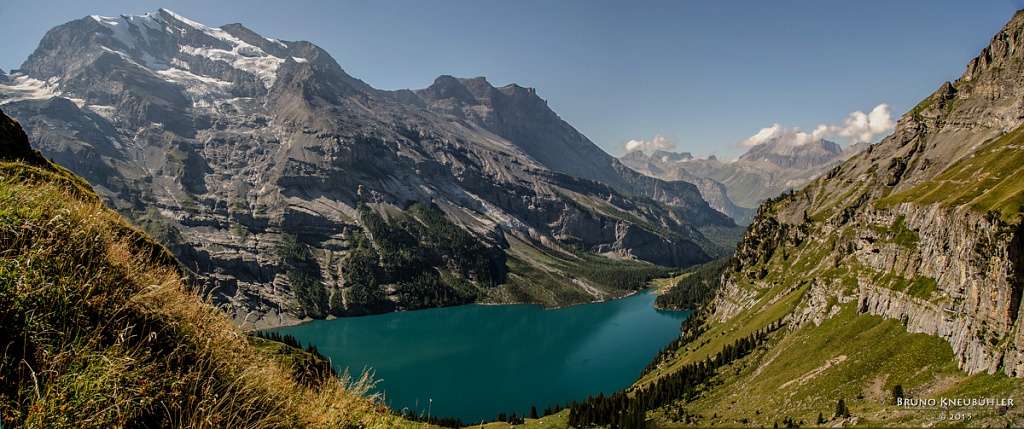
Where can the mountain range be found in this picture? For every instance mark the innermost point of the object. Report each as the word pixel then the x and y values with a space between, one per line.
pixel 292 190
pixel 116 337
pixel 737 187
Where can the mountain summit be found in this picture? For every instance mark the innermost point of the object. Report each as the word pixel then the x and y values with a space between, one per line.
pixel 294 190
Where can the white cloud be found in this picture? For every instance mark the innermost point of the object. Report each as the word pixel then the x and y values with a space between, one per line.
pixel 770 133
pixel 659 142
pixel 863 128
pixel 857 128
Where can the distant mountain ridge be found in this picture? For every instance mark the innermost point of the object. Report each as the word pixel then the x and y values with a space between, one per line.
pixel 273 175
pixel 521 117
pixel 736 188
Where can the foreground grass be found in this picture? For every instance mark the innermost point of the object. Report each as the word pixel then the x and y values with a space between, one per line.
pixel 100 330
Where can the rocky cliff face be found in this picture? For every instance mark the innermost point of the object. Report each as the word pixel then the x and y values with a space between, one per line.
pixel 974 263
pixel 518 115
pixel 924 227
pixel 274 176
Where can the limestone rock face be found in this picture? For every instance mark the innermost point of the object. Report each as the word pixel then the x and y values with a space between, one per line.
pixel 976 298
pixel 259 162
pixel 520 116
pixel 915 228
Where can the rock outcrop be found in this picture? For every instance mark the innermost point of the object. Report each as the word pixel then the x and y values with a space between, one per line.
pixel 14 143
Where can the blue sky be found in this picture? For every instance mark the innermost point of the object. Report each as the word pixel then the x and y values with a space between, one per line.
pixel 702 75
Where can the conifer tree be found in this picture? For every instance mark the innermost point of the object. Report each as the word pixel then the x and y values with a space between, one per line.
pixel 897 393
pixel 841 411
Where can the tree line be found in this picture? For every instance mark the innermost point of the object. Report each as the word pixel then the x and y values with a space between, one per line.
pixel 310 368
pixel 697 286
pixel 432 261
pixel 303 273
pixel 691 328
pixel 627 409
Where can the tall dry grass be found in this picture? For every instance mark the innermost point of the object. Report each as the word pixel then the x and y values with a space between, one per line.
pixel 98 329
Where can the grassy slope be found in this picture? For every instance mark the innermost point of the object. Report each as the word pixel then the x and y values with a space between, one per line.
pixel 99 329
pixel 853 357
pixel 990 180
pixel 791 375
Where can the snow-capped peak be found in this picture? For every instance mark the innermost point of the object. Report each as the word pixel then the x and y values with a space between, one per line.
pixel 211 31
pixel 242 55
pixel 133 31
pixel 184 20
pixel 120 25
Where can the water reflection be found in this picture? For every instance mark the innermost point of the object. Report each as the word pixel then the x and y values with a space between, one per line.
pixel 475 361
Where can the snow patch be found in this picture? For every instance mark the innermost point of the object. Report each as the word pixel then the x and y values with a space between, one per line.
pixel 277 42
pixel 299 60
pixel 106 112
pixel 22 87
pixel 184 20
pixel 121 26
pixel 203 91
pixel 151 62
pixel 133 32
pixel 155 65
pixel 254 61
pixel 242 55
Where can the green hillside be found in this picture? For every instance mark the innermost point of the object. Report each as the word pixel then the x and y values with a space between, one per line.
pixel 992 180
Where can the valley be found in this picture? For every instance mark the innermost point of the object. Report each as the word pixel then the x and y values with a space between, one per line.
pixel 738 187
pixel 264 188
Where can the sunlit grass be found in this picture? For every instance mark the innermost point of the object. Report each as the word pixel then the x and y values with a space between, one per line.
pixel 100 330
pixel 989 180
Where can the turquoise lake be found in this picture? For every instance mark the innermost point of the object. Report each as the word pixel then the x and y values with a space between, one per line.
pixel 472 362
